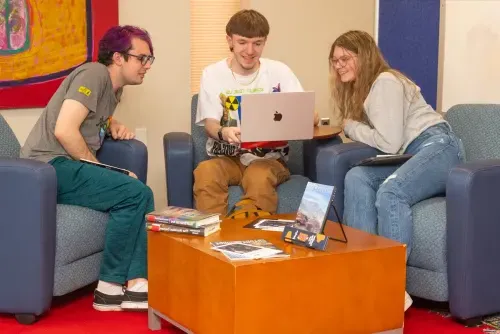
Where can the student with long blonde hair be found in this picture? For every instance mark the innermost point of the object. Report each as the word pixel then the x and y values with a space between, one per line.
pixel 381 107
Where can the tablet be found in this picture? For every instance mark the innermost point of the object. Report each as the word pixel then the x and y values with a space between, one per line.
pixel 385 160
pixel 99 164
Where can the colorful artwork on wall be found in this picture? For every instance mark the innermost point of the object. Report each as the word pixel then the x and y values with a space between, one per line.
pixel 42 41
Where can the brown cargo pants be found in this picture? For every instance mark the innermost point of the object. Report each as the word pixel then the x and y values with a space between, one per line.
pixel 259 180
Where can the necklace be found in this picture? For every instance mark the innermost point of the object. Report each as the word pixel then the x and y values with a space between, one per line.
pixel 243 84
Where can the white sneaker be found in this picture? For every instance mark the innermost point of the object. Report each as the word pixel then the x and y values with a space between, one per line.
pixel 408 301
pixel 134 301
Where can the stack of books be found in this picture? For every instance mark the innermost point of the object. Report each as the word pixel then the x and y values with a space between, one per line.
pixel 248 249
pixel 183 220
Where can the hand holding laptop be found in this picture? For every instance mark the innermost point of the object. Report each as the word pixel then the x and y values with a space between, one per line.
pixel 231 134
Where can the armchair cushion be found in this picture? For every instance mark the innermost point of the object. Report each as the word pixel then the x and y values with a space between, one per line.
pixel 79 245
pixel 477 126
pixel 429 235
pixel 426 268
pixel 9 146
pixel 75 240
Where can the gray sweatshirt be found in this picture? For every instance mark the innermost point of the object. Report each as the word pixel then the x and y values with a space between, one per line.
pixel 395 117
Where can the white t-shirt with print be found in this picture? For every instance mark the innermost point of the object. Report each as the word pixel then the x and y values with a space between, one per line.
pixel 218 86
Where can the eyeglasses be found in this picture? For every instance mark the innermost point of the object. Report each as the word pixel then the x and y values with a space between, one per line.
pixel 143 59
pixel 342 61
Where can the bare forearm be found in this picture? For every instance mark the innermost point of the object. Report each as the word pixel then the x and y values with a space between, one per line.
pixel 76 147
pixel 212 126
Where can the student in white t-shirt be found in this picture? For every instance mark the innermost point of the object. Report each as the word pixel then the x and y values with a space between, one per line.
pixel 258 167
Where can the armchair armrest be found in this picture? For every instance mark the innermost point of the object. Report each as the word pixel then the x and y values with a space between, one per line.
pixel 179 164
pixel 129 154
pixel 311 149
pixel 332 164
pixel 472 198
pixel 28 195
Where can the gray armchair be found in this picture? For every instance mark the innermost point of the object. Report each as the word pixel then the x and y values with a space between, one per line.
pixel 455 235
pixel 183 152
pixel 48 249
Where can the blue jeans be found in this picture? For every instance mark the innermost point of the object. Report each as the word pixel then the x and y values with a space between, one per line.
pixel 378 199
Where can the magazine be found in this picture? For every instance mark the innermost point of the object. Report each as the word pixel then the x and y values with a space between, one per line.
pixel 270 224
pixel 248 249
pixel 314 207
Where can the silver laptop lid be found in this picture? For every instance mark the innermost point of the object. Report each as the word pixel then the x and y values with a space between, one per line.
pixel 277 116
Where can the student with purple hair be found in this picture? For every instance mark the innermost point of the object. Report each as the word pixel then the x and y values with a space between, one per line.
pixel 72 127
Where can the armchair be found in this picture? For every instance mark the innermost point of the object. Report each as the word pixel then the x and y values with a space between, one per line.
pixel 455 247
pixel 48 249
pixel 183 152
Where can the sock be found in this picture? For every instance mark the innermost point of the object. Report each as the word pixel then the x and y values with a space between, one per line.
pixel 109 288
pixel 141 286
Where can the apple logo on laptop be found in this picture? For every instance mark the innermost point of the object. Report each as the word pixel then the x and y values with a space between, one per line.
pixel 277 116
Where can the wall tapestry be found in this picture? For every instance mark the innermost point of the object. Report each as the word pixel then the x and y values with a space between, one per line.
pixel 42 41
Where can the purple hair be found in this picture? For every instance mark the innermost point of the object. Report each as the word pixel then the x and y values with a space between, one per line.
pixel 119 39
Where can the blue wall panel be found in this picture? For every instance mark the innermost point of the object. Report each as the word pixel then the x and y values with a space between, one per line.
pixel 409 39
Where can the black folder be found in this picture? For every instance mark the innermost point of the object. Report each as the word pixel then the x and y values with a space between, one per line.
pixel 385 160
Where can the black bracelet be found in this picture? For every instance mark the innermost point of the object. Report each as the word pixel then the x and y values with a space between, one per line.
pixel 219 133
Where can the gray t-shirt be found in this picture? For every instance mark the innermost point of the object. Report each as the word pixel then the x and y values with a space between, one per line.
pixel 89 84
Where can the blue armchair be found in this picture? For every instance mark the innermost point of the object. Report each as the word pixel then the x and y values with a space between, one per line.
pixel 455 236
pixel 48 249
pixel 183 152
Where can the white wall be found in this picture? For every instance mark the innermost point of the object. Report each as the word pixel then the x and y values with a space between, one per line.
pixel 471 63
pixel 162 103
pixel 21 121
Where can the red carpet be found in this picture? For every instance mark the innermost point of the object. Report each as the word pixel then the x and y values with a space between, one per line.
pixel 76 316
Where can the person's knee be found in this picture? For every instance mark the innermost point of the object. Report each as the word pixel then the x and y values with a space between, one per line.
pixel 138 190
pixel 388 193
pixel 354 177
pixel 147 192
pixel 259 174
pixel 208 171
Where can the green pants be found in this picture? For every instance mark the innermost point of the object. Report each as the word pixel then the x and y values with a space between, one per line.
pixel 126 200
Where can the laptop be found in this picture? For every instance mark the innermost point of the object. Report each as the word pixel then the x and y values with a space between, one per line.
pixel 277 116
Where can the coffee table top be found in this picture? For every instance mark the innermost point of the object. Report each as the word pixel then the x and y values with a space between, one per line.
pixel 232 229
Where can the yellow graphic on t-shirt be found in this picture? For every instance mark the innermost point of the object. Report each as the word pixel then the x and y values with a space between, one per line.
pixel 84 90
pixel 232 103
pixel 228 102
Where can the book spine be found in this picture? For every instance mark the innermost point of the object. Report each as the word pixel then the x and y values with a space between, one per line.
pixel 166 220
pixel 169 228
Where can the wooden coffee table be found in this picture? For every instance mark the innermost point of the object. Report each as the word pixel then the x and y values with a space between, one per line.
pixel 356 287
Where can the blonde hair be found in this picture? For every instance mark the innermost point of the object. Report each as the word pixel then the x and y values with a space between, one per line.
pixel 350 96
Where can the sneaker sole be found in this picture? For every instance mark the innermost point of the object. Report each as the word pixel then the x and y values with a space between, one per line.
pixel 134 306
pixel 106 308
